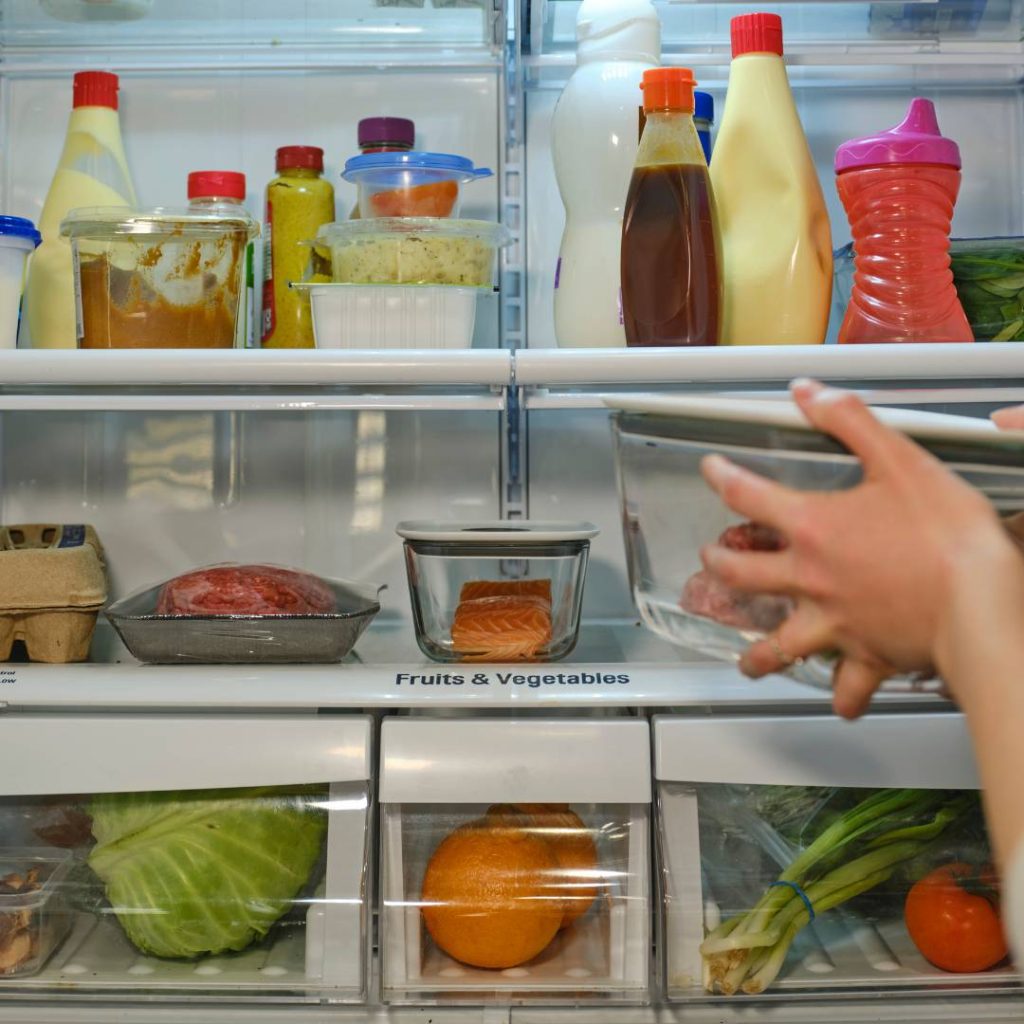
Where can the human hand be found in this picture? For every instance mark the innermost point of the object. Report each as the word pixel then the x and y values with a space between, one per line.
pixel 874 570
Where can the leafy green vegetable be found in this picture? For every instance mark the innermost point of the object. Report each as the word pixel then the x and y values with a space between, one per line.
pixel 989 278
pixel 204 871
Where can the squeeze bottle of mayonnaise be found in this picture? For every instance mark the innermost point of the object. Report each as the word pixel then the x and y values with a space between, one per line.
pixel 92 171
pixel 776 239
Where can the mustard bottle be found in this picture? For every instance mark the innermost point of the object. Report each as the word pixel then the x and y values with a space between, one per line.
pixel 298 202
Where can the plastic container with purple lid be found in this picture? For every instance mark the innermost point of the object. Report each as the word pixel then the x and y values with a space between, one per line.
pixel 385 134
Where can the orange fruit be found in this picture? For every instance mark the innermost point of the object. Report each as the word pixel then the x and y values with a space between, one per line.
pixel 572 845
pixel 484 895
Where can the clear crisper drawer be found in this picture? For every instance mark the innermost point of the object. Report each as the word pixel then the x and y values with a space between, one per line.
pixel 832 885
pixel 513 869
pixel 181 889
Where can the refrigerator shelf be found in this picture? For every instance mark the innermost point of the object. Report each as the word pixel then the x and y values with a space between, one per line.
pixel 387 671
pixel 287 381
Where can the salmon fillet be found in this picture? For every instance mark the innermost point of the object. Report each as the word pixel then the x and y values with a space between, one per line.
pixel 509 628
pixel 476 589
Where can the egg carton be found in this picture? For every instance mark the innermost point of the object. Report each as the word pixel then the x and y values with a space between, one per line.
pixel 52 586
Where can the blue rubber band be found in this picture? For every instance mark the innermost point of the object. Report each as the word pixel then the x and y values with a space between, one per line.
pixel 796 888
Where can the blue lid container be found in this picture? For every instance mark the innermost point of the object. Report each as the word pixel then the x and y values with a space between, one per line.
pixel 19 231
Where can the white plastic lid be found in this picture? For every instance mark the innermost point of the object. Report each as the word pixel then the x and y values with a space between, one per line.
pixel 496 531
pixel 346 232
pixel 618 30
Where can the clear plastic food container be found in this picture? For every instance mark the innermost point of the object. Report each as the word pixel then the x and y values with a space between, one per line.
pixel 496 591
pixel 411 184
pixel 157 278
pixel 34 918
pixel 504 876
pixel 392 316
pixel 18 239
pixel 229 614
pixel 669 513
pixel 863 882
pixel 414 250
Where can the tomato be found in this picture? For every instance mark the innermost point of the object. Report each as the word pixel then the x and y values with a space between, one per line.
pixel 953 917
pixel 434 200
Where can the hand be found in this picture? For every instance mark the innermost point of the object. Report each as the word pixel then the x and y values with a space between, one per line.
pixel 875 569
pixel 1012 419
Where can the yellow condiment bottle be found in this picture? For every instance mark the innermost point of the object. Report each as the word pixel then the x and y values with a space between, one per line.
pixel 299 201
pixel 92 172
pixel 776 239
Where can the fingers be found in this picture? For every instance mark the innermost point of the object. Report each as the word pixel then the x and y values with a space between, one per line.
pixel 804 633
pixel 1009 419
pixel 754 572
pixel 846 418
pixel 854 684
pixel 748 494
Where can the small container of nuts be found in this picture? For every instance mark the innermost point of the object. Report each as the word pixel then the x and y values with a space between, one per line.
pixel 34 916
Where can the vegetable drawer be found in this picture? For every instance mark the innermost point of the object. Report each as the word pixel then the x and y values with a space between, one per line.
pixel 200 858
pixel 514 860
pixel 773 887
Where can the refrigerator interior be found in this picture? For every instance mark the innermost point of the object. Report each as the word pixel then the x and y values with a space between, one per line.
pixel 319 476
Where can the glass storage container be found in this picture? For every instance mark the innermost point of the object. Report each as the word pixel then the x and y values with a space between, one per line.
pixel 669 513
pixel 239 871
pixel 158 278
pixel 740 799
pixel 514 864
pixel 494 590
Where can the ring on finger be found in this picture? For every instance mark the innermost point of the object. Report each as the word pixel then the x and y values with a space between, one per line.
pixel 785 660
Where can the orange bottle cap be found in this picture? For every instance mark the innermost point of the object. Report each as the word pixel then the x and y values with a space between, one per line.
pixel 668 89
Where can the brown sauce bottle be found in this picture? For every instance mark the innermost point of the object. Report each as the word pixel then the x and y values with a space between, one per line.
pixel 671 254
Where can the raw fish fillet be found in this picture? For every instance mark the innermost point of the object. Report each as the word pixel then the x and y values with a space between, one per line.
pixel 502 621
pixel 476 589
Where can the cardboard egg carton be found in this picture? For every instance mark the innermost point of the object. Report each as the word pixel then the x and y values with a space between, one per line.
pixel 52 587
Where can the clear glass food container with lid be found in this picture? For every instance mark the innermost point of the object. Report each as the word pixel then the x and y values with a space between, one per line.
pixel 669 513
pixel 158 278
pixel 496 591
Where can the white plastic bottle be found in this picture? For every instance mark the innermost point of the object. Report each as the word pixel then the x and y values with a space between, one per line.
pixel 594 143
pixel 92 171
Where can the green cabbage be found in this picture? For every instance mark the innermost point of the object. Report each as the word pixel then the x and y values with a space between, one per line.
pixel 204 871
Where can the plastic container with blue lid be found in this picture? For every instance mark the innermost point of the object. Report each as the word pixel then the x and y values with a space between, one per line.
pixel 703 119
pixel 412 184
pixel 18 237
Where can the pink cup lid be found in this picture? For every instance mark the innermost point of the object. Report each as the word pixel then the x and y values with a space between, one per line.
pixel 916 140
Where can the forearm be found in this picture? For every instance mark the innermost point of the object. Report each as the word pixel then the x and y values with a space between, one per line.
pixel 981 657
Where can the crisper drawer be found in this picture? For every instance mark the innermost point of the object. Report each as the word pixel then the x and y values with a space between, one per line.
pixel 791 868
pixel 200 857
pixel 514 860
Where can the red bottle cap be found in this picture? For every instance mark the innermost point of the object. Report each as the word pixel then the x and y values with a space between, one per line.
pixel 756 33
pixel 311 157
pixel 668 89
pixel 226 184
pixel 95 89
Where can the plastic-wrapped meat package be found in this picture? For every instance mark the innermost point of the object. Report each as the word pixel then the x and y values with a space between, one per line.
pixel 706 595
pixel 245 590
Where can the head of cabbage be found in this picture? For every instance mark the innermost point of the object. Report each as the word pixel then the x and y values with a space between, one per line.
pixel 205 871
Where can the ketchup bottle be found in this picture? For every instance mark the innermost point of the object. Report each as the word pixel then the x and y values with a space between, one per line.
pixel 899 189
pixel 670 255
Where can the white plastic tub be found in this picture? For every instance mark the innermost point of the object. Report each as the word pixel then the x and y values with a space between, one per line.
pixel 392 316
pixel 18 238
